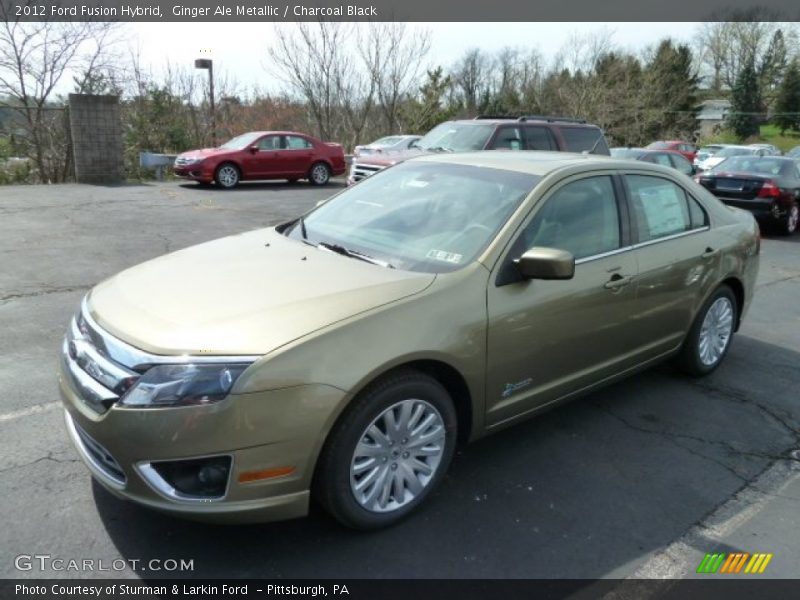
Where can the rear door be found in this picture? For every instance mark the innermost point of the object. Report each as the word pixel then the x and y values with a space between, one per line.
pixel 297 155
pixel 677 256
pixel 547 339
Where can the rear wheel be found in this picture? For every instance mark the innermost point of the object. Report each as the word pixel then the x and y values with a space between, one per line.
pixel 710 336
pixel 227 176
pixel 788 224
pixel 389 451
pixel 319 174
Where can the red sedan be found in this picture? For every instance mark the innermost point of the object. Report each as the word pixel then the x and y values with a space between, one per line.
pixel 263 155
pixel 685 148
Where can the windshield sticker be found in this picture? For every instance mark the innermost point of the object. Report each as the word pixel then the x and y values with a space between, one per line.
pixel 444 256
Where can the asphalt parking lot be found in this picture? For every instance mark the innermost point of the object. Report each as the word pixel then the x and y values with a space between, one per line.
pixel 638 480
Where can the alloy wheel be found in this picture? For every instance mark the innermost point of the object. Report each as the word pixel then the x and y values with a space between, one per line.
pixel 227 176
pixel 397 456
pixel 716 331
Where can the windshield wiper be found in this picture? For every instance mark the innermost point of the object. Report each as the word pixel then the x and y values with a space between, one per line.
pixel 354 254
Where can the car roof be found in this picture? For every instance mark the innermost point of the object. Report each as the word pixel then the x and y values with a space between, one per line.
pixel 532 162
pixel 521 120
pixel 278 133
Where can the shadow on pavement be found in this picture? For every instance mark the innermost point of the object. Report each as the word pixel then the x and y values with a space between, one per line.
pixel 587 490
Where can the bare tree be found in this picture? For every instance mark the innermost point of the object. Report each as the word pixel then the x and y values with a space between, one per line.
pixel 310 58
pixel 394 56
pixel 35 57
pixel 725 45
pixel 470 78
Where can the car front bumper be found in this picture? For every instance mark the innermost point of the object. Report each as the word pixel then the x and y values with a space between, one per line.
pixel 262 432
pixel 195 173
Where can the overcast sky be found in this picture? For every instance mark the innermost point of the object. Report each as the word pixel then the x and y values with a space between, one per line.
pixel 240 48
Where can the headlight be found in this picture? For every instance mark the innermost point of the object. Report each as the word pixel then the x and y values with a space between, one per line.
pixel 182 385
pixel 190 162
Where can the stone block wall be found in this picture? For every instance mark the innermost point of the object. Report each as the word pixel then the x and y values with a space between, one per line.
pixel 96 132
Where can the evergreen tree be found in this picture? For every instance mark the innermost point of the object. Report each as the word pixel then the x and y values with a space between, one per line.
pixel 670 93
pixel 787 105
pixel 745 103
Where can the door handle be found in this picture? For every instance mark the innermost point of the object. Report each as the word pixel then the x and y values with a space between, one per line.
pixel 617 281
pixel 709 253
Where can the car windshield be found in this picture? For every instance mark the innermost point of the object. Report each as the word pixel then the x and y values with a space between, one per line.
pixel 387 141
pixel 751 164
pixel 240 142
pixel 734 151
pixel 418 216
pixel 456 137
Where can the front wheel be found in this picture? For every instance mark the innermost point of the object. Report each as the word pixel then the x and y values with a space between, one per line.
pixel 710 336
pixel 227 176
pixel 319 174
pixel 389 451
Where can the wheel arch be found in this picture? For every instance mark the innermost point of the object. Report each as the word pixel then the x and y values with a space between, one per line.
pixel 737 287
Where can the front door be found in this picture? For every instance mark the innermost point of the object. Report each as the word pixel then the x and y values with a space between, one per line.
pixel 547 339
pixel 265 161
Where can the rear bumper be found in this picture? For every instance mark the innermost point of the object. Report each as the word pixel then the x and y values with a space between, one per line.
pixel 763 210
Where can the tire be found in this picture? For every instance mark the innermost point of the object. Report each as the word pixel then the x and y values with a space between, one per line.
pixel 319 174
pixel 366 483
pixel 227 176
pixel 698 356
pixel 788 225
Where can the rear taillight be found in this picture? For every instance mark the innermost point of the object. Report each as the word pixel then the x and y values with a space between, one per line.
pixel 769 190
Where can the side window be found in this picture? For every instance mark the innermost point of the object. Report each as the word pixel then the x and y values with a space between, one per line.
pixel 580 139
pixel 539 138
pixel 697 213
pixel 662 208
pixel 681 164
pixel 271 142
pixel 509 138
pixel 294 142
pixel 580 217
pixel 662 159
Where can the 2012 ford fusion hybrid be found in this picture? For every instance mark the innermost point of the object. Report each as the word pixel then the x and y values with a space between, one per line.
pixel 342 356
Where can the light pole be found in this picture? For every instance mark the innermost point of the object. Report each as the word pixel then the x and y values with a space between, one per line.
pixel 207 63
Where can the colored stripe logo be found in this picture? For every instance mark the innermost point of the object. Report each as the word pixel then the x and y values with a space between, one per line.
pixel 736 562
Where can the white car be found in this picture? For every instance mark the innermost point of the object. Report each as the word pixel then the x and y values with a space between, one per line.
pixel 386 145
pixel 769 149
pixel 728 151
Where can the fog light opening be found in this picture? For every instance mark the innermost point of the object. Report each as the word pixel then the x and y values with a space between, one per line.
pixel 194 479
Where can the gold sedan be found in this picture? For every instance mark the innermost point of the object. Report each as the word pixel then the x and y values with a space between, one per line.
pixel 342 356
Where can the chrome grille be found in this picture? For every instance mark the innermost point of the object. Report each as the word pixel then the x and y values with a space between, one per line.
pixel 181 162
pixel 98 379
pixel 361 170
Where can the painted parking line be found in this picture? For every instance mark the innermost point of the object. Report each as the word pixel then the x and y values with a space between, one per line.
pixel 27 412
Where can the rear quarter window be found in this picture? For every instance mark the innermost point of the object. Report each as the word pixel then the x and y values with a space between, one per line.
pixel 580 139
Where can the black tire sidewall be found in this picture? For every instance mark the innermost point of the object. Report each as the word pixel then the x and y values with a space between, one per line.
pixel 333 481
pixel 690 354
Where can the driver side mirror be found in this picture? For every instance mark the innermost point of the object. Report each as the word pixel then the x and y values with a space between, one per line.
pixel 253 149
pixel 546 263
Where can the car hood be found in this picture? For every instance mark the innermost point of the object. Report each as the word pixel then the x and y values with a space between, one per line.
pixel 387 159
pixel 245 294
pixel 205 153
